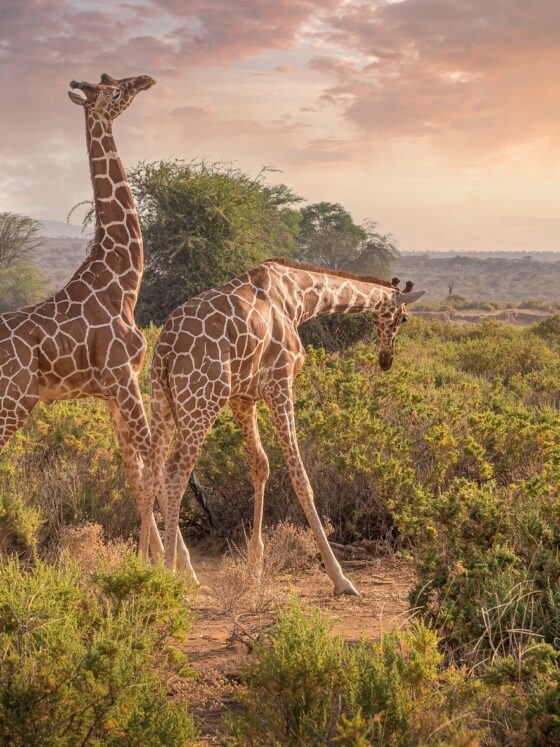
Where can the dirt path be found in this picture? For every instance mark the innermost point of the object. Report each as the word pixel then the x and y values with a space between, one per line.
pixel 217 657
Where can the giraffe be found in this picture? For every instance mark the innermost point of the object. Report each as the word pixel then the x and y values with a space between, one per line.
pixel 83 342
pixel 239 343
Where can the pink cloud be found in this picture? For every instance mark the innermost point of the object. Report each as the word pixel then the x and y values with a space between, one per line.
pixel 222 30
pixel 485 72
pixel 473 76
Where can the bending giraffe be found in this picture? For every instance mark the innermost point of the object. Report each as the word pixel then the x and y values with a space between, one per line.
pixel 83 342
pixel 239 343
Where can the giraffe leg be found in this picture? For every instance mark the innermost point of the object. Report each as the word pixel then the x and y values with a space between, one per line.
pixel 163 425
pixel 281 406
pixel 132 463
pixel 185 452
pixel 131 407
pixel 18 396
pixel 178 471
pixel 12 418
pixel 245 412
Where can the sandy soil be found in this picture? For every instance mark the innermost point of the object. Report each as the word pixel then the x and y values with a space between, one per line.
pixel 516 317
pixel 219 643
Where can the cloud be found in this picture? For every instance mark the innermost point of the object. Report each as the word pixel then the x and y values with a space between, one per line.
pixel 483 72
pixel 351 98
pixel 45 43
pixel 221 30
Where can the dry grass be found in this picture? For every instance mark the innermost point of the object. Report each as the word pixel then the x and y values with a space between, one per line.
pixel 86 546
pixel 240 586
pixel 290 549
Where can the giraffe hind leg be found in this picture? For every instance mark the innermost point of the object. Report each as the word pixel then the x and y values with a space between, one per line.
pixel 129 401
pixel 185 452
pixel 163 426
pixel 132 464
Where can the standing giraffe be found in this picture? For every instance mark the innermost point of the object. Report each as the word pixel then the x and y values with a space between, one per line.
pixel 83 342
pixel 239 343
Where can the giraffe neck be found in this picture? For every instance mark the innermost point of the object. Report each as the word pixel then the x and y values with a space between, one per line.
pixel 323 294
pixel 117 243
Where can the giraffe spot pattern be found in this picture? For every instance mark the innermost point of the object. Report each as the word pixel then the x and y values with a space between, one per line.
pixel 239 344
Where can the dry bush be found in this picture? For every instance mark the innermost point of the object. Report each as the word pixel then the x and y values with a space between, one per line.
pixel 240 586
pixel 290 549
pixel 86 546
pixel 234 585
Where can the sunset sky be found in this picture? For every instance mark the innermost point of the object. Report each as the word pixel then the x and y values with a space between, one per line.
pixel 439 119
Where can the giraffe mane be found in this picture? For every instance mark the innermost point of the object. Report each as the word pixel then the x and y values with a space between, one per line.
pixel 329 271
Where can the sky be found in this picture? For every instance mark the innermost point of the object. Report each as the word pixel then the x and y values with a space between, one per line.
pixel 438 119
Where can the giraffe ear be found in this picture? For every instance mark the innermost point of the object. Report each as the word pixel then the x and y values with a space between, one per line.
pixel 408 297
pixel 76 98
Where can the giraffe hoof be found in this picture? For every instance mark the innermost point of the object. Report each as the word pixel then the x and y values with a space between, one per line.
pixel 348 590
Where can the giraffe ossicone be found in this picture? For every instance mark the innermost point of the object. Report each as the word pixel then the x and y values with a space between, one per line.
pixel 239 344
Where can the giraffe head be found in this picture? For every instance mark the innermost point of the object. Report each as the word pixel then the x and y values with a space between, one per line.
pixel 110 96
pixel 389 319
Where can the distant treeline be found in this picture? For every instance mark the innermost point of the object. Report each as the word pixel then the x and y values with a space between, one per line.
pixel 513 278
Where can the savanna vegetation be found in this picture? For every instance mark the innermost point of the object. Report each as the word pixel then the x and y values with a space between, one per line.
pixel 452 459
pixel 87 654
pixel 204 223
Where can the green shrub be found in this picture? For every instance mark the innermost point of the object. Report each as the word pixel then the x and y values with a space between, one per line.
pixel 85 658
pixel 453 456
pixel 305 686
pixel 62 467
pixel 543 712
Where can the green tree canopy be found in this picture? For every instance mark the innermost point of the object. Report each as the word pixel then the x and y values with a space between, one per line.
pixel 19 237
pixel 202 225
pixel 21 281
pixel 328 236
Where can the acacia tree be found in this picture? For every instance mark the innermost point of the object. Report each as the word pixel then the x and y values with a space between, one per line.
pixel 328 236
pixel 19 238
pixel 21 281
pixel 202 225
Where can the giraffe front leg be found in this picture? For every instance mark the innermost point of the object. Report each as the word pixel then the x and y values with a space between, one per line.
pixel 281 406
pixel 12 416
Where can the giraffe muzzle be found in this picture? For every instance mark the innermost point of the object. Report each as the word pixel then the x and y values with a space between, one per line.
pixel 385 360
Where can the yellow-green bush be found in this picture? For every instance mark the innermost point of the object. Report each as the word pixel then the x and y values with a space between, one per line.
pixel 84 658
pixel 63 467
pixel 305 686
pixel 453 455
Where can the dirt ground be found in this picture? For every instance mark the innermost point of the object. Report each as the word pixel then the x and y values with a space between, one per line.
pixel 515 317
pixel 219 643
